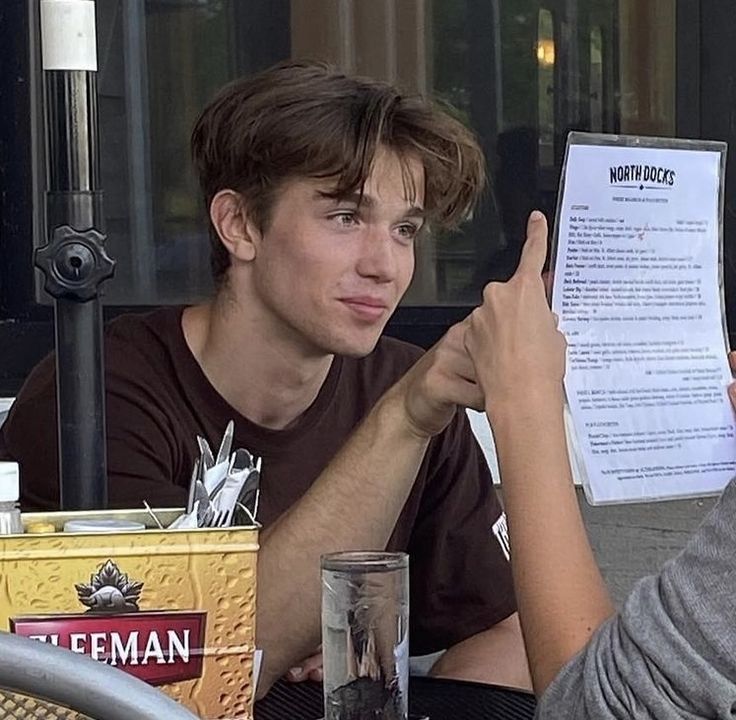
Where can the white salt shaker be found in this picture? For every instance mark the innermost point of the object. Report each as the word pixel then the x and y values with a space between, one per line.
pixel 10 521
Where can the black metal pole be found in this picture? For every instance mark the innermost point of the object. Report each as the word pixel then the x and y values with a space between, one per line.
pixel 75 263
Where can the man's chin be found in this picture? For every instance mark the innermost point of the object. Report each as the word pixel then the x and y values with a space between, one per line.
pixel 354 348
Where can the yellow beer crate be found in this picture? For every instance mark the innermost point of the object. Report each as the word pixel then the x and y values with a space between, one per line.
pixel 175 608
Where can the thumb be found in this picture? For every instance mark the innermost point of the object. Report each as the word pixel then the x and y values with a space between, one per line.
pixel 732 394
pixel 732 360
pixel 534 252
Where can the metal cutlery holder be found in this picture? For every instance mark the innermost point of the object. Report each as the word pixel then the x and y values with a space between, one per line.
pixel 173 607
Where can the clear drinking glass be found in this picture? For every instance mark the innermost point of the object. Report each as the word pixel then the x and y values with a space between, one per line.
pixel 365 635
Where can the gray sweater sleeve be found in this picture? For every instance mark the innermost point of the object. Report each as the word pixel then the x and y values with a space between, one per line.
pixel 671 652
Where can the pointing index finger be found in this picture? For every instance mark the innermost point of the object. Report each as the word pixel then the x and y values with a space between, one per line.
pixel 534 252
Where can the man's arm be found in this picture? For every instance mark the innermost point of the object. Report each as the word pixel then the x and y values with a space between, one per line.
pixel 520 362
pixel 493 656
pixel 459 526
pixel 355 502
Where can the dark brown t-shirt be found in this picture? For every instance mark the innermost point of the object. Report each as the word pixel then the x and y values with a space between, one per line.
pixel 159 400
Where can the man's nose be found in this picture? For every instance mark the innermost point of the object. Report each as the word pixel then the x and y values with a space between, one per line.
pixel 377 257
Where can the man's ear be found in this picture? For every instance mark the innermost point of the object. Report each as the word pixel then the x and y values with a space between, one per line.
pixel 229 217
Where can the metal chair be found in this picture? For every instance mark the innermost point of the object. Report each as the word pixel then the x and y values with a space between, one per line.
pixel 42 681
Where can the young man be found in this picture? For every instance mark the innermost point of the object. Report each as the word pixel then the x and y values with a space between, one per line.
pixel 670 652
pixel 319 187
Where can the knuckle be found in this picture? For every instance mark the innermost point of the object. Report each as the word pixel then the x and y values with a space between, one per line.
pixel 491 292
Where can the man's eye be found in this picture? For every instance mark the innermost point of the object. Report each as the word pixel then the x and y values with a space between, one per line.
pixel 407 231
pixel 345 219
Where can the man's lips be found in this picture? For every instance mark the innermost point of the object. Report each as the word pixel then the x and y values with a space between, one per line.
pixel 368 308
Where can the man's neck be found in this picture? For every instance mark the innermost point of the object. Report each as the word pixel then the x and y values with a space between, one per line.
pixel 263 376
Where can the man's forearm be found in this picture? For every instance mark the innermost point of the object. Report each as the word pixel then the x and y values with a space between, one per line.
pixel 561 595
pixel 354 504
pixel 493 656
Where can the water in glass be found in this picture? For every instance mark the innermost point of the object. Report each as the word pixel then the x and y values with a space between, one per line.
pixel 365 635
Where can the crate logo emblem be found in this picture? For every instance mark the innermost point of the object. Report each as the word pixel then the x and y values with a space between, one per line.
pixel 109 591
pixel 156 646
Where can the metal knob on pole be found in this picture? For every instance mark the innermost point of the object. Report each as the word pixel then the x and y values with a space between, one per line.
pixel 74 261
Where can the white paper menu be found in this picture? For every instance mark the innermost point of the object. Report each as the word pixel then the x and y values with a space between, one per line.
pixel 637 287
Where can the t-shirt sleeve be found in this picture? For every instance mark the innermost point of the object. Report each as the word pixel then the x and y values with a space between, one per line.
pixel 460 572
pixel 670 653
pixel 141 450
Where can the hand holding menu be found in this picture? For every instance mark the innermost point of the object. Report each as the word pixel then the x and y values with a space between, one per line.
pixel 638 290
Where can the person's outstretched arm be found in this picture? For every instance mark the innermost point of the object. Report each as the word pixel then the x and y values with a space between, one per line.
pixel 519 357
pixel 356 500
pixel 669 653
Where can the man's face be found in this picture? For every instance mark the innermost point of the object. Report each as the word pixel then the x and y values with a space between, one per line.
pixel 330 272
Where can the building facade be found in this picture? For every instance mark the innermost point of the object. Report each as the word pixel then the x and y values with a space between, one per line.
pixel 522 73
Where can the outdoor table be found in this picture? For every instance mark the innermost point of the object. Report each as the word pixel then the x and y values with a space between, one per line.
pixel 439 699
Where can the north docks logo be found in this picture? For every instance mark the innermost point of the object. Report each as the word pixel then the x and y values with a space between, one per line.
pixel 650 177
pixel 158 647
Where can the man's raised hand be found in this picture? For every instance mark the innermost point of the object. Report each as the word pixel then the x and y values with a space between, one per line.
pixel 512 338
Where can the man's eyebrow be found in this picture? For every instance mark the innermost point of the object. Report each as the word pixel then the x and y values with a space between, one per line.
pixel 359 199
pixel 416 212
pixel 355 197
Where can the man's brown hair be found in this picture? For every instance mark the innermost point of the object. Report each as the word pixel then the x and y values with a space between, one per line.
pixel 309 120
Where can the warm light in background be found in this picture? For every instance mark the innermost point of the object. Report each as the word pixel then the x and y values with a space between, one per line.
pixel 546 52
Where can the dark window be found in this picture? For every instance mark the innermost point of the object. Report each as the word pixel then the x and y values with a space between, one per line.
pixel 521 73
